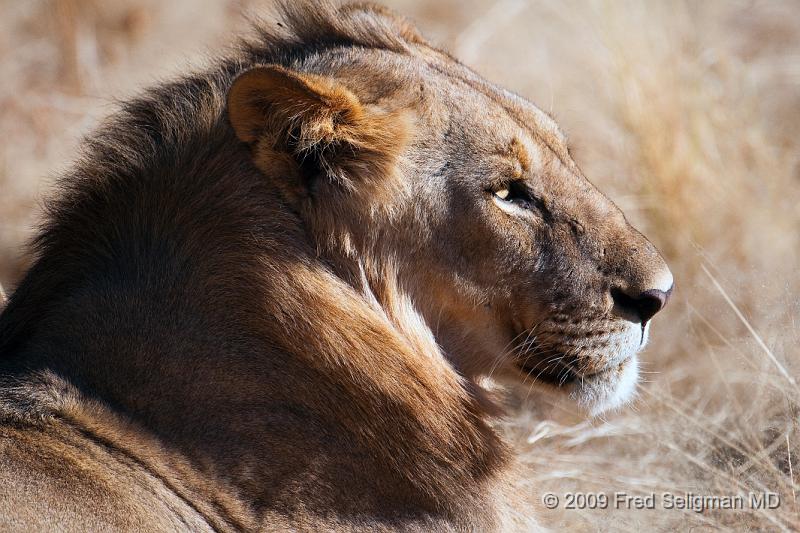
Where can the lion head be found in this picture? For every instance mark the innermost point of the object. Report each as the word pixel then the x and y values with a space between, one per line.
pixel 403 162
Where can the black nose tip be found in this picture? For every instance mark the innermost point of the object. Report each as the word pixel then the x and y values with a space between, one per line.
pixel 643 306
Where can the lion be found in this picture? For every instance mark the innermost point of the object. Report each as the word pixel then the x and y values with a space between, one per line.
pixel 268 293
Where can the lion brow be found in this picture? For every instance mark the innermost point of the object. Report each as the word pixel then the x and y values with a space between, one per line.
pixel 518 151
pixel 516 154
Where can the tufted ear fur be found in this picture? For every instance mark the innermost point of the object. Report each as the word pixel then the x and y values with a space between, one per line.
pixel 313 126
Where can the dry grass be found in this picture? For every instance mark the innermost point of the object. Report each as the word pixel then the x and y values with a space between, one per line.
pixel 686 113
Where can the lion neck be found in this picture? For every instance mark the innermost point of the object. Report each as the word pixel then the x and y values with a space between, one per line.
pixel 403 396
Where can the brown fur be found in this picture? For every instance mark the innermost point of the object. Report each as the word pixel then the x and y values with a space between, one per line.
pixel 264 295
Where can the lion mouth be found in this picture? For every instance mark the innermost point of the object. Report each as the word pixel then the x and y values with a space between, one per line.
pixel 552 376
pixel 561 369
pixel 596 384
pixel 557 369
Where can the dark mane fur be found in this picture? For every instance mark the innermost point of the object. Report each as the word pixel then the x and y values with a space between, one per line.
pixel 157 135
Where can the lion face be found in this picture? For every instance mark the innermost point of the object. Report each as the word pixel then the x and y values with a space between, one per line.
pixel 523 267
pixel 519 265
pixel 529 271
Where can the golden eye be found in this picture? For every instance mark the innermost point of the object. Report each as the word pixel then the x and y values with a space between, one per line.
pixel 516 193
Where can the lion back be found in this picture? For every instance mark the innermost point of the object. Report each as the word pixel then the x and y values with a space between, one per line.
pixel 55 478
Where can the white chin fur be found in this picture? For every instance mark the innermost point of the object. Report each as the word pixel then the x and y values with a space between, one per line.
pixel 607 392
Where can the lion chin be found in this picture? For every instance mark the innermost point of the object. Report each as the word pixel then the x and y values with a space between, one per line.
pixel 607 390
pixel 594 394
pixel 596 383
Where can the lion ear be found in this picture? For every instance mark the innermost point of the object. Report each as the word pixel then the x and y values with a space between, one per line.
pixel 315 120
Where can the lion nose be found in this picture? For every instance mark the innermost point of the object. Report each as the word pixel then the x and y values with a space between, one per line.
pixel 643 305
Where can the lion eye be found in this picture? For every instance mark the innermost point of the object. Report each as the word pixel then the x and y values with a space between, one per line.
pixel 514 193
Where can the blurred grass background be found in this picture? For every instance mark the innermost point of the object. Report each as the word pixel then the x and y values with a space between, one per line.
pixel 687 113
